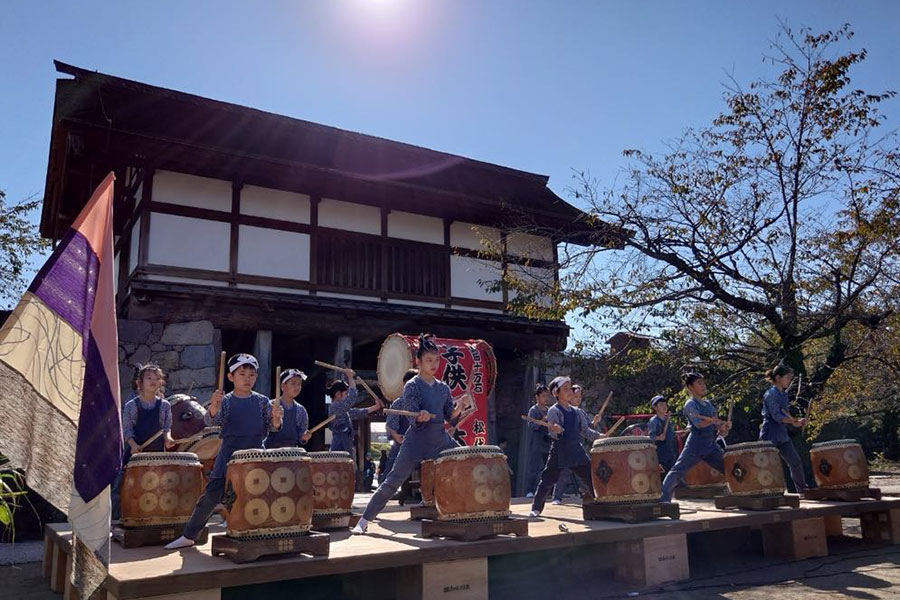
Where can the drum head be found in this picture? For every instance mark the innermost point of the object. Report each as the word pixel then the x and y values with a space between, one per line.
pixel 161 458
pixel 834 443
pixel 761 445
pixel 206 447
pixel 394 359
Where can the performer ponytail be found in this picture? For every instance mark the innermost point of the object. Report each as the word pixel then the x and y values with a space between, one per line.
pixel 779 370
pixel 689 378
pixel 426 345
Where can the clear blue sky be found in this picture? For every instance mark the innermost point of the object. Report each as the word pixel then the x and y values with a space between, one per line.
pixel 540 86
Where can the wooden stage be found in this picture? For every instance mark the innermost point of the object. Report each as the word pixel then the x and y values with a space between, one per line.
pixel 392 560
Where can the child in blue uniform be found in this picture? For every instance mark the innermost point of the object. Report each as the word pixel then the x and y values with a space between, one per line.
pixel 245 417
pixel 776 412
pixel 539 439
pixel 701 440
pixel 396 426
pixel 666 448
pixel 426 436
pixel 567 426
pixel 295 420
pixel 147 413
pixel 343 397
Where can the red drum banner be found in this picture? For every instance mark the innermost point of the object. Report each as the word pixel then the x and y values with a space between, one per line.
pixel 466 366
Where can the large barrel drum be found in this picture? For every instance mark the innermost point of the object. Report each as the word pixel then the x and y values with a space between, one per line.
pixel 187 416
pixel 426 482
pixel 160 488
pixel 206 448
pixel 754 469
pixel 625 470
pixel 268 492
pixel 398 355
pixel 839 464
pixel 471 482
pixel 334 481
pixel 702 477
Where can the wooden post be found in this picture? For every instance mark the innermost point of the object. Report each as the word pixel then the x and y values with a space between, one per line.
pixel 262 349
pixel 653 560
pixel 795 540
pixel 458 579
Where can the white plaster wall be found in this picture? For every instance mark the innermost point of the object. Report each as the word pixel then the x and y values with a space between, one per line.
pixel 188 242
pixel 465 274
pixel 542 278
pixel 350 216
pixel 468 235
pixel 190 190
pixel 274 204
pixel 530 246
pixel 134 247
pixel 418 228
pixel 273 253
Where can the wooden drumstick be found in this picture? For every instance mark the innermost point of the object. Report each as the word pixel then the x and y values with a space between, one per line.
pixel 222 371
pixel 325 422
pixel 603 408
pixel 190 389
pixel 149 441
pixel 405 413
pixel 368 389
pixel 277 384
pixel 540 422
pixel 189 439
pixel 329 366
pixel 615 426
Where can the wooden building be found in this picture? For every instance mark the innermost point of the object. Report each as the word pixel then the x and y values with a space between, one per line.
pixel 300 241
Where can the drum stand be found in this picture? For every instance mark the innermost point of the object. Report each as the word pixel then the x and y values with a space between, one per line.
pixel 758 502
pixel 156 535
pixel 843 495
pixel 630 513
pixel 240 550
pixel 701 493
pixel 344 521
pixel 419 512
pixel 470 531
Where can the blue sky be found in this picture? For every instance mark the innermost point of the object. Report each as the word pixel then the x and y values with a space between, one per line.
pixel 541 86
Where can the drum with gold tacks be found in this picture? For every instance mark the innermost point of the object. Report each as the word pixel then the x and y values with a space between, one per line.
pixel 206 448
pixel 268 492
pixel 702 480
pixel 160 489
pixel 471 482
pixel 625 470
pixel 839 464
pixel 754 469
pixel 426 482
pixel 334 481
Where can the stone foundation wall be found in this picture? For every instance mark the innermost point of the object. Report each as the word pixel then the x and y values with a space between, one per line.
pixel 187 353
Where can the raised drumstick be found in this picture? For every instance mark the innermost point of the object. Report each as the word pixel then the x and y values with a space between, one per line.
pixel 405 413
pixel 222 371
pixel 329 366
pixel 602 408
pixel 277 384
pixel 540 422
pixel 615 426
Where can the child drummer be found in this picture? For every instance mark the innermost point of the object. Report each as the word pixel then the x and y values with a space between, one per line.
pixel 662 432
pixel 396 426
pixel 426 436
pixel 145 415
pixel 701 439
pixel 245 417
pixel 343 397
pixel 295 421
pixel 539 440
pixel 567 426
pixel 776 412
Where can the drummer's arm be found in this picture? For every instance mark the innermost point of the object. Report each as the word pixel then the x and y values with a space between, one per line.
pixel 586 431
pixel 452 409
pixel 129 418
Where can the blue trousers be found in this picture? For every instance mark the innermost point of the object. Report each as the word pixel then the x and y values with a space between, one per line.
pixel 792 460
pixel 537 458
pixel 416 447
pixel 695 450
pixel 215 489
pixel 550 475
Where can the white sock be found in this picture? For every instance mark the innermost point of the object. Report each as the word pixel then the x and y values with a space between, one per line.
pixel 181 542
pixel 360 527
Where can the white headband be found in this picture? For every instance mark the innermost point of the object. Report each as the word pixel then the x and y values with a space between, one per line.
pixel 243 359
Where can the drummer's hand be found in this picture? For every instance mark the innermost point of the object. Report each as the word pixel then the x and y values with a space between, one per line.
pixel 424 416
pixel 277 412
pixel 802 422
pixel 596 419
pixel 215 402
pixel 554 428
pixel 133 445
pixel 305 437
pixel 350 373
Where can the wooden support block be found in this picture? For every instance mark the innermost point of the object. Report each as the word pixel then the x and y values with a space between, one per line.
pixel 47 563
pixel 834 526
pixel 630 513
pixel 241 551
pixel 842 495
pixel 445 580
pixel 474 530
pixel 796 539
pixel 58 572
pixel 152 536
pixel 701 493
pixel 419 512
pixel 652 560
pixel 757 502
pixel 881 527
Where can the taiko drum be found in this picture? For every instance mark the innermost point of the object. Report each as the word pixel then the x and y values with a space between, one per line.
pixel 187 416
pixel 839 464
pixel 703 476
pixel 334 480
pixel 426 482
pixel 625 470
pixel 160 488
pixel 471 482
pixel 268 492
pixel 754 469
pixel 206 448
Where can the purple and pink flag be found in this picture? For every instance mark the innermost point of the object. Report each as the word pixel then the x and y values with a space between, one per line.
pixel 59 410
